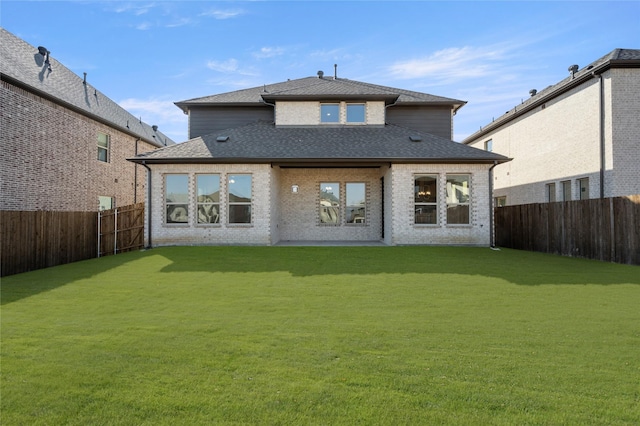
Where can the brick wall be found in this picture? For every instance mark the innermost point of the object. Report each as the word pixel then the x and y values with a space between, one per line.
pixel 625 132
pixel 403 230
pixel 48 157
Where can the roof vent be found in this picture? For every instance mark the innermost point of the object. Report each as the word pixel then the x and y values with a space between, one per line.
pixel 45 54
pixel 155 128
pixel 415 138
pixel 222 138
pixel 573 69
pixel 533 92
pixel 320 74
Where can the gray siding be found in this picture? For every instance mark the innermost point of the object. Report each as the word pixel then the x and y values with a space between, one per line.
pixel 429 119
pixel 205 120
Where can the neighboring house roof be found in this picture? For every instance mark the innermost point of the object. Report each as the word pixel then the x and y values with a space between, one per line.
pixel 617 58
pixel 22 65
pixel 320 88
pixel 263 142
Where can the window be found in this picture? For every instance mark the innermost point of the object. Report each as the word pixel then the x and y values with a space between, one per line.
pixel 239 190
pixel 103 147
pixel 330 203
pixel 329 113
pixel 566 190
pixel 488 145
pixel 458 199
pixel 208 199
pixel 356 207
pixel 355 113
pixel 176 198
pixel 500 201
pixel 105 203
pixel 425 200
pixel 583 188
pixel 551 192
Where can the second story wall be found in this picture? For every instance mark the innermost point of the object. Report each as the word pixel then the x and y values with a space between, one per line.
pixel 436 120
pixel 307 113
pixel 209 119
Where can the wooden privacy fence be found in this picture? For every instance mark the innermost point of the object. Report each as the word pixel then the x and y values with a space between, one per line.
pixel 32 240
pixel 605 229
pixel 121 229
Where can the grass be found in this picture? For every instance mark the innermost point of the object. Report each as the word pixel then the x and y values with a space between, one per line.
pixel 322 335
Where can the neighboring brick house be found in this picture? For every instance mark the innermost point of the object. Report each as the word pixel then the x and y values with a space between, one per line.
pixel 577 139
pixel 64 144
pixel 320 159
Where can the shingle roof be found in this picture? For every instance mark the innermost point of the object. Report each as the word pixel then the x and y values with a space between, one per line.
pixel 263 142
pixel 21 64
pixel 617 58
pixel 320 88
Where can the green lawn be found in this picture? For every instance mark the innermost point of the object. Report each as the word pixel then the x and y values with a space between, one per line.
pixel 322 335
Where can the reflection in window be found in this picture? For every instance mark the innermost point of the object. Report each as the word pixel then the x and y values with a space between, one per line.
pixel 426 200
pixel 208 198
pixel 583 188
pixel 239 189
pixel 355 113
pixel 329 113
pixel 566 190
pixel 177 198
pixel 330 202
pixel 458 199
pixel 356 206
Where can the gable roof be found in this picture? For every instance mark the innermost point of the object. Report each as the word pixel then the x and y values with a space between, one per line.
pixel 264 142
pixel 22 65
pixel 320 88
pixel 617 58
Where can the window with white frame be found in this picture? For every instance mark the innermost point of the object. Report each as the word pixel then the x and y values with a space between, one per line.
pixel 425 199
pixel 566 190
pixel 105 203
pixel 583 188
pixel 488 145
pixel 176 198
pixel 355 209
pixel 103 147
pixel 551 192
pixel 239 188
pixel 458 199
pixel 208 198
pixel 329 113
pixel 329 203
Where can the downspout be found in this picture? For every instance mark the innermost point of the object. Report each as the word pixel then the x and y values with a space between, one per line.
pixel 601 131
pixel 492 243
pixel 148 207
pixel 135 176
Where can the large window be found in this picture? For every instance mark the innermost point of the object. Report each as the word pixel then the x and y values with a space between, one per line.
pixel 426 200
pixel 103 147
pixel 177 198
pixel 458 198
pixel 330 113
pixel 330 202
pixel 239 189
pixel 355 113
pixel 356 210
pixel 208 200
pixel 566 190
pixel 583 188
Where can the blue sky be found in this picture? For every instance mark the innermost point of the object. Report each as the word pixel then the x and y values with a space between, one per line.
pixel 146 55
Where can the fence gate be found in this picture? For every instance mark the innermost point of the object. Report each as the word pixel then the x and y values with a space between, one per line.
pixel 121 229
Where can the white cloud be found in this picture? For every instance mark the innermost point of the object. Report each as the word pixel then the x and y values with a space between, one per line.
pixel 162 112
pixel 223 14
pixel 269 52
pixel 228 66
pixel 179 23
pixel 143 26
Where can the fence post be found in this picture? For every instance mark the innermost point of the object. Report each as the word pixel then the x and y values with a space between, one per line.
pixel 115 231
pixel 99 230
pixel 612 229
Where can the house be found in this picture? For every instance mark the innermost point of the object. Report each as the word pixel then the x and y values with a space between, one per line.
pixel 577 139
pixel 320 159
pixel 63 143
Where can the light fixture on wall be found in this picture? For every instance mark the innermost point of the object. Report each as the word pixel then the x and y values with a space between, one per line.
pixel 294 189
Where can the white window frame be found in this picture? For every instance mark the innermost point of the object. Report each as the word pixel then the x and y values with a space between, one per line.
pixel 418 205
pixel 454 202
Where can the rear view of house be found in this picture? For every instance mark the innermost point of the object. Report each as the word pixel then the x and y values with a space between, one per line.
pixel 320 159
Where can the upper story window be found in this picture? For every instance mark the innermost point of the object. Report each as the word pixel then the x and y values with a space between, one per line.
pixel 355 113
pixel 103 147
pixel 488 145
pixel 330 113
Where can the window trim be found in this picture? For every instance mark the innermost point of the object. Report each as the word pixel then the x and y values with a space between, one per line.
pixel 467 203
pixel 550 189
pixel 488 145
pixel 435 203
pixel 364 113
pixel 230 203
pixel 106 149
pixel 566 184
pixel 167 204
pixel 580 188
pixel 322 115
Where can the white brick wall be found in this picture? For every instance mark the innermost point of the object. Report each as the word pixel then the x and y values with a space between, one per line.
pixel 562 142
